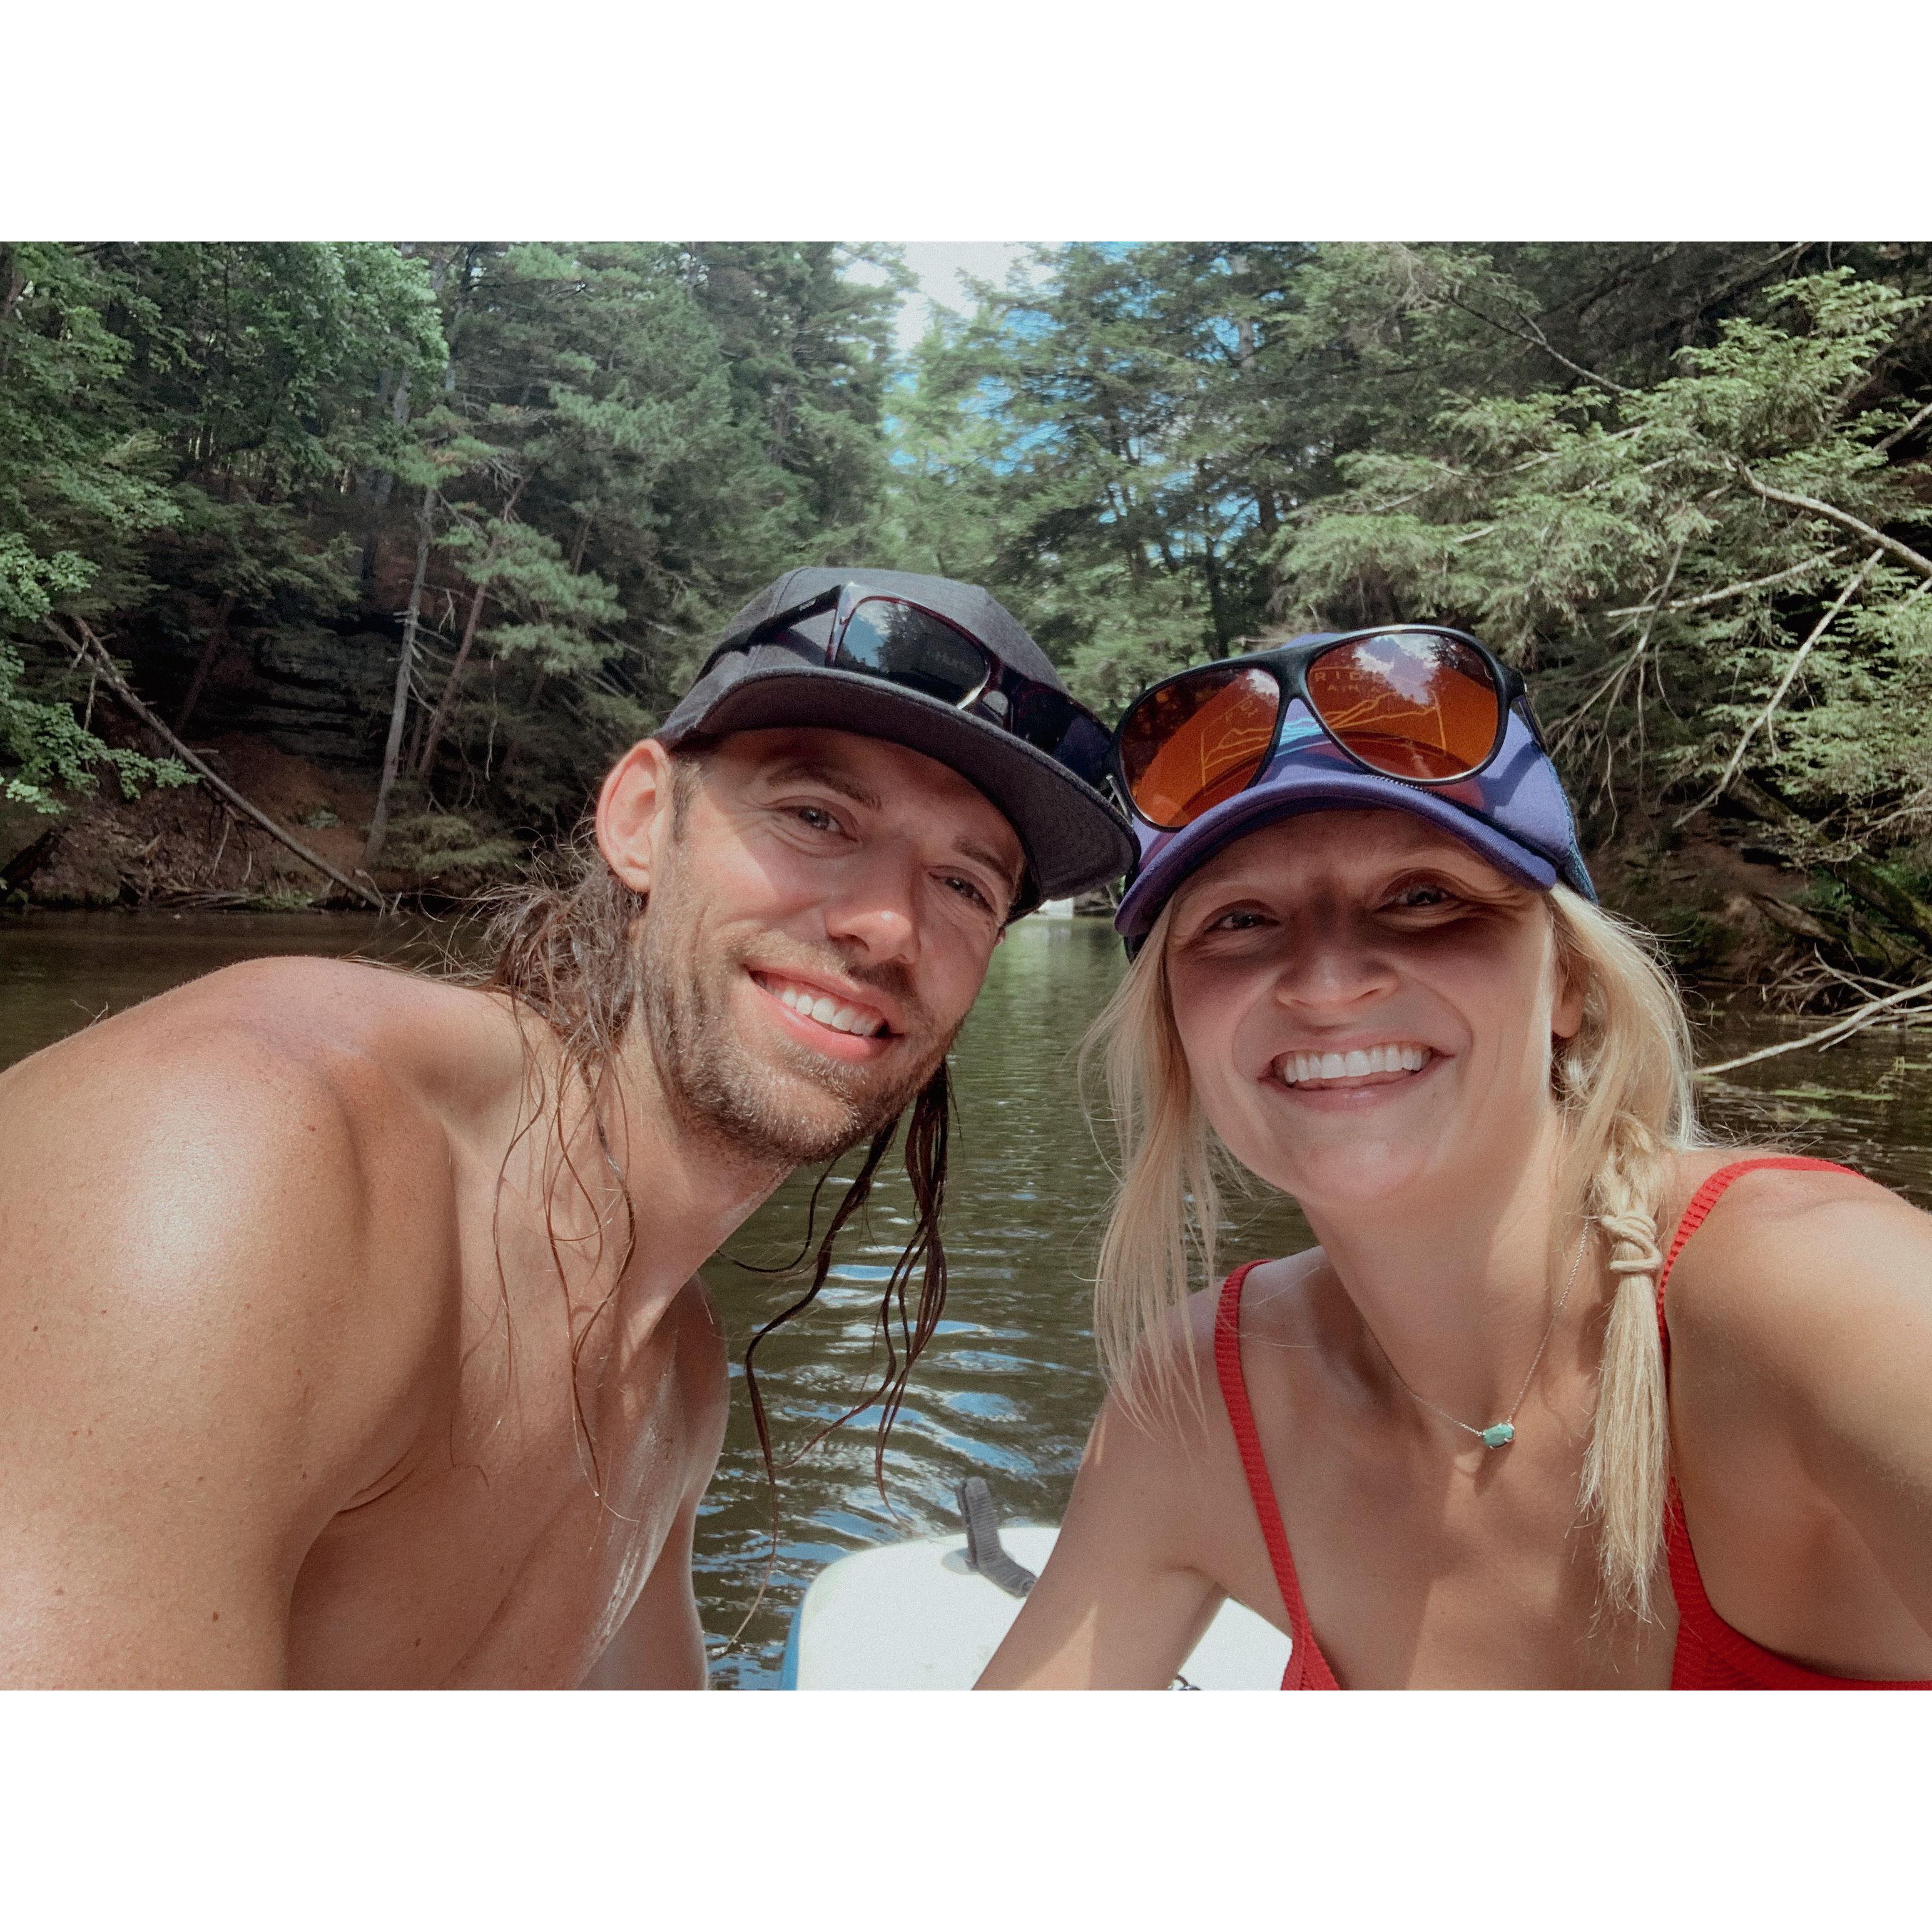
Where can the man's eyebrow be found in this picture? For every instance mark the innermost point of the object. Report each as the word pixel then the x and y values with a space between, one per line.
pixel 815 772
pixel 984 855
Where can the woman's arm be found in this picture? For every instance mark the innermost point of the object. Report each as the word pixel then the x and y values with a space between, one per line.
pixel 1117 1606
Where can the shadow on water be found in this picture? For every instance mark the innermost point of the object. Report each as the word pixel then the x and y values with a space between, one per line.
pixel 1009 1386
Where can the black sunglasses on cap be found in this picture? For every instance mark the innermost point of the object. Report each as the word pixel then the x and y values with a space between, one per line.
pixel 872 634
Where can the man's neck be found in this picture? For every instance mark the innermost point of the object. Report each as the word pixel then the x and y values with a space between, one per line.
pixel 684 1190
pixel 692 1187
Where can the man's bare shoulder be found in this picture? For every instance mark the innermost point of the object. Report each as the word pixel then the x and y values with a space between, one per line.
pixel 263 1146
pixel 704 1371
pixel 262 1043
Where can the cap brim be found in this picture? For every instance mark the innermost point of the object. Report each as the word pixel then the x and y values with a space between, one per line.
pixel 1285 793
pixel 1073 839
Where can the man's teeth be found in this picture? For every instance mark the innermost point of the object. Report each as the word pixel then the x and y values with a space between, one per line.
pixel 1296 1067
pixel 827 1012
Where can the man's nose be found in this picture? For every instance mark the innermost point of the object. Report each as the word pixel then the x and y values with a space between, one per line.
pixel 876 908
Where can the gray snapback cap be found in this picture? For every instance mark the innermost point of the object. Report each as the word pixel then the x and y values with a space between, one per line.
pixel 1073 839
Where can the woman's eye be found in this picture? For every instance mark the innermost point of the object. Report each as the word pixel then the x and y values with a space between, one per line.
pixel 1420 899
pixel 1243 919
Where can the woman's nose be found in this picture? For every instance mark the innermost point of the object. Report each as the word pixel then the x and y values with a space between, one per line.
pixel 1329 969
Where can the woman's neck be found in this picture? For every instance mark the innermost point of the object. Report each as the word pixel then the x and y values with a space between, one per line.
pixel 1456 1288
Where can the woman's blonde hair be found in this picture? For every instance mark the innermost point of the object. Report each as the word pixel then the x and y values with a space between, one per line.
pixel 1623 1087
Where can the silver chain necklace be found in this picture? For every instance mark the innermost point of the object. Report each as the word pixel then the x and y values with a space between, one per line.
pixel 1498 1435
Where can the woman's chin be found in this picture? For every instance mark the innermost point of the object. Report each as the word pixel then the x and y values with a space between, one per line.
pixel 1349 1180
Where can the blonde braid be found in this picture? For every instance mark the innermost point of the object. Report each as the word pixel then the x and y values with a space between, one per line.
pixel 1623 1084
pixel 1626 1468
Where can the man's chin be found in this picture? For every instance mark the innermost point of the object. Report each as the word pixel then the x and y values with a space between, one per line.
pixel 789 1115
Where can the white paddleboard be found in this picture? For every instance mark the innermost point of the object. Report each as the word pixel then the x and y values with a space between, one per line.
pixel 912 1616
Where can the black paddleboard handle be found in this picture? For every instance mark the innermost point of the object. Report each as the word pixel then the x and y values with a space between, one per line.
pixel 984 1554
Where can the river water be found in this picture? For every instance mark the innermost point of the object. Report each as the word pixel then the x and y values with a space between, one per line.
pixel 1009 1386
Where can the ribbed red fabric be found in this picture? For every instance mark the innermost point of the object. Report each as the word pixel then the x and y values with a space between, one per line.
pixel 1307 1668
pixel 1711 1654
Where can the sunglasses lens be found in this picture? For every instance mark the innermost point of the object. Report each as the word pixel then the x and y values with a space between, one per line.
pixel 1186 746
pixel 1414 704
pixel 1067 734
pixel 887 639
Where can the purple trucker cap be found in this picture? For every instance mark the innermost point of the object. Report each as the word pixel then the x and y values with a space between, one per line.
pixel 1514 813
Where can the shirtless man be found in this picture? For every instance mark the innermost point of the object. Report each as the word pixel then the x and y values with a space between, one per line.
pixel 349 1328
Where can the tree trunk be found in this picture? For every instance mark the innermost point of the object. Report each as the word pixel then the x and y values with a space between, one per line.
pixel 218 636
pixel 1217 601
pixel 378 825
pixel 449 691
pixel 433 734
pixel 1860 878
pixel 398 406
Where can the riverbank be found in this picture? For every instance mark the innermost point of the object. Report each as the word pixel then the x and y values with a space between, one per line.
pixel 1732 921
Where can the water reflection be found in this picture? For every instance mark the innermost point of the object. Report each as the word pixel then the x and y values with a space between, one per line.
pixel 1009 1385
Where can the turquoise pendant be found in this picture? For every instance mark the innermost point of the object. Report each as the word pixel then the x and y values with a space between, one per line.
pixel 1498 1434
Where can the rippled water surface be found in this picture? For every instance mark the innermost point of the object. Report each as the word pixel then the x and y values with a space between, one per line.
pixel 1009 1386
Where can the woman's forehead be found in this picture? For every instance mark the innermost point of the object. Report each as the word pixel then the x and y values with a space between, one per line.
pixel 1337 842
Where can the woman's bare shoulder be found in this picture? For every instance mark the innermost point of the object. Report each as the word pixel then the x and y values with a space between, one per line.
pixel 1789 1258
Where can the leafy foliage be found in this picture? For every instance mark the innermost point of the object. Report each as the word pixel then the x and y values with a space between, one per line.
pixel 1684 488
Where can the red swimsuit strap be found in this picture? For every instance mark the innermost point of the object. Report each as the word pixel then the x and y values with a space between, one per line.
pixel 1706 1197
pixel 1711 1654
pixel 1307 1668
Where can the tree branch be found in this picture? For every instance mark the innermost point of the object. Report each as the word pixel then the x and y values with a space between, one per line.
pixel 1535 337
pixel 1904 429
pixel 1709 597
pixel 1841 1028
pixel 1845 521
pixel 92 648
pixel 1791 670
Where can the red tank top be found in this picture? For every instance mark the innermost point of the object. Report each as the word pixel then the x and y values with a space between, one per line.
pixel 1710 1655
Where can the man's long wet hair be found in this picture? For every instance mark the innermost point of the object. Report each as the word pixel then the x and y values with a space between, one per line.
pixel 564 946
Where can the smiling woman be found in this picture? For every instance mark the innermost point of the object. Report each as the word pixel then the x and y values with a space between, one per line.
pixel 1469 1412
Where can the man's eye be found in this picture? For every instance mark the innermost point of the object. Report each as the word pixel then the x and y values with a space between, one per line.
pixel 969 891
pixel 817 817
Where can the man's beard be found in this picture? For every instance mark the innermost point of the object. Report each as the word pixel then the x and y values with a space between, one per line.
pixel 788 1106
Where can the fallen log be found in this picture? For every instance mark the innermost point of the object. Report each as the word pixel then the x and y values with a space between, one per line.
pixel 1905 909
pixel 96 653
pixel 1841 1028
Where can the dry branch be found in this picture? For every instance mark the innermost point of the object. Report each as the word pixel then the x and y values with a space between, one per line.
pixel 1904 429
pixel 92 647
pixel 1842 1028
pixel 1710 597
pixel 1845 521
pixel 1763 719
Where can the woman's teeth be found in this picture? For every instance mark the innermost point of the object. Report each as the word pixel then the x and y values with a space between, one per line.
pixel 1296 1068
pixel 828 1012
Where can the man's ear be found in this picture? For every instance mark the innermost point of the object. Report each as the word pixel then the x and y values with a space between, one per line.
pixel 633 812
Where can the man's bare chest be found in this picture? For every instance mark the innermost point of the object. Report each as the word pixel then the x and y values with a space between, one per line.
pixel 518 1534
